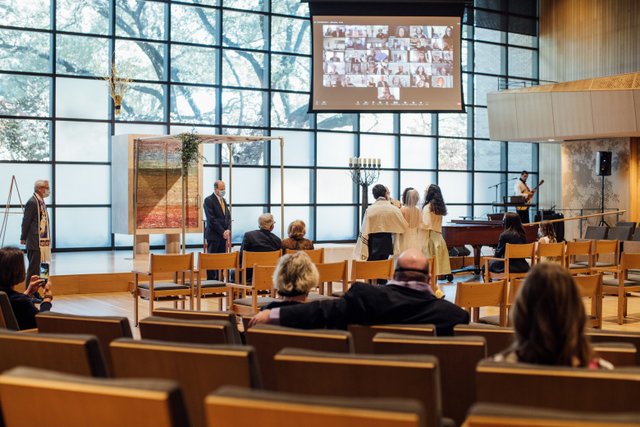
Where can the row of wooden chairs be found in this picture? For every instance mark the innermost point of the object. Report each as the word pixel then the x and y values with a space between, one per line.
pixel 456 355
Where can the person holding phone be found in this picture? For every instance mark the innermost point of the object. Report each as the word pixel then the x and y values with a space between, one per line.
pixel 12 274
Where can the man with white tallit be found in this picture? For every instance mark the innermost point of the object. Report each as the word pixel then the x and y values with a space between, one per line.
pixel 35 234
pixel 381 222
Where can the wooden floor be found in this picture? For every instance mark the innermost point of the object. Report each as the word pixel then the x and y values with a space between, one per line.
pixel 121 304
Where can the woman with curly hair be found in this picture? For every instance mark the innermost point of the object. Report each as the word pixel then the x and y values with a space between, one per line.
pixel 433 210
pixel 296 240
pixel 295 276
pixel 549 321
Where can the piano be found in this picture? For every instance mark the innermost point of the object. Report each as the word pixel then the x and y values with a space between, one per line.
pixel 478 234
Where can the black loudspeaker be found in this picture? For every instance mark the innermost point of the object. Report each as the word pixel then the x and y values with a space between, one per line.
pixel 603 163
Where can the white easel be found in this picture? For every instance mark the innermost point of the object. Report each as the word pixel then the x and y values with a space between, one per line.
pixel 7 209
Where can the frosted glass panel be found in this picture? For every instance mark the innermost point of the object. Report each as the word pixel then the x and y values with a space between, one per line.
pixel 14 224
pixel 376 122
pixel 334 149
pixel 418 180
pixel 456 212
pixel 26 176
pixel 336 223
pixel 124 128
pixel 390 180
pixel 78 141
pixel 455 187
pixel 292 213
pixel 82 98
pixel 481 191
pixel 245 219
pixel 298 148
pixel 334 186
pixel 83 184
pixel 417 152
pixel 249 185
pixel 488 155
pixel 83 227
pixel 520 156
pixel 379 146
pixel 297 185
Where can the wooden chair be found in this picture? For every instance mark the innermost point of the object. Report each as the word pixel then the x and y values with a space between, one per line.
pixel 557 387
pixel 189 331
pixel 619 354
pixel 316 255
pixel 622 284
pixel 599 336
pixel 607 249
pixel 223 262
pixel 262 283
pixel 73 354
pixel 370 271
pixel 550 252
pixel 473 295
pixel 198 369
pixel 104 328
pixel 591 287
pixel 234 406
pixel 457 358
pixel 363 334
pixel 348 375
pixel 249 259
pixel 228 316
pixel 578 249
pixel 525 250
pixel 7 318
pixel 494 415
pixel 631 246
pixel 268 340
pixel 333 272
pixel 595 232
pixel 74 401
pixel 498 338
pixel 180 266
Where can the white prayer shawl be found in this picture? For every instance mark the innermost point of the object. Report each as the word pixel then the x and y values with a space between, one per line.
pixel 380 217
pixel 44 239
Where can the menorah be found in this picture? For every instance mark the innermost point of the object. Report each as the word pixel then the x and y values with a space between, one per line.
pixel 364 172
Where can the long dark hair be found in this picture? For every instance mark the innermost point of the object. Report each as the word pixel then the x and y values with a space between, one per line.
pixel 549 319
pixel 404 195
pixel 433 196
pixel 513 223
pixel 546 228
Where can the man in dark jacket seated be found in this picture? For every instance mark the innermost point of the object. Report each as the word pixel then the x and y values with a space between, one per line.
pixel 406 299
pixel 260 240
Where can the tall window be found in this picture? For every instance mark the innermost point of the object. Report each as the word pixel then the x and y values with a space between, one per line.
pixel 231 67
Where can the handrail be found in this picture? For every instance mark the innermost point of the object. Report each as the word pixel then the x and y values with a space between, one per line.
pixel 576 217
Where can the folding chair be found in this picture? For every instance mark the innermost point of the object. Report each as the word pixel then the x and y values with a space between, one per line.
pixel 472 296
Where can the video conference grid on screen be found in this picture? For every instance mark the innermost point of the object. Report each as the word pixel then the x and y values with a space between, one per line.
pixel 398 65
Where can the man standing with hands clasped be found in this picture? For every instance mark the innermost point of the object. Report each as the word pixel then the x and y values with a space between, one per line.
pixel 218 229
pixel 35 234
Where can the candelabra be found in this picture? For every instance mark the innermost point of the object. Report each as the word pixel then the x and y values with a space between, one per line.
pixel 364 172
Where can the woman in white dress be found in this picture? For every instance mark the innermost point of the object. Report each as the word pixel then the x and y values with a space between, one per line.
pixel 433 210
pixel 414 235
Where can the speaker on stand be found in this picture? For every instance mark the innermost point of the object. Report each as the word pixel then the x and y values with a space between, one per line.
pixel 603 168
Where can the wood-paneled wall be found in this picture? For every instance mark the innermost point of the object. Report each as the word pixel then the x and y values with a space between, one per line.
pixel 588 38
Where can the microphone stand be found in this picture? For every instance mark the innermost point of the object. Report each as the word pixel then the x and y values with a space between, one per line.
pixel 497 187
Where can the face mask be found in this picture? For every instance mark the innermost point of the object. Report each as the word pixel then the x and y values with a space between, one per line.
pixel 46 194
pixel 222 193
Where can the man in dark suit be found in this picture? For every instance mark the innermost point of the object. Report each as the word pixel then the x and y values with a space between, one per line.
pixel 35 229
pixel 406 299
pixel 261 240
pixel 218 229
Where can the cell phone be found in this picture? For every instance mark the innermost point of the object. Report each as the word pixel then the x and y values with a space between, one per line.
pixel 44 272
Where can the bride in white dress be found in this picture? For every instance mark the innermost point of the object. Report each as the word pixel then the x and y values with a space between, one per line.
pixel 414 236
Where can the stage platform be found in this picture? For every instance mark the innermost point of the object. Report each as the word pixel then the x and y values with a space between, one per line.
pixel 111 271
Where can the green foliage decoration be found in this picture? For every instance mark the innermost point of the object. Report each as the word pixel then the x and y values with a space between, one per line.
pixel 190 149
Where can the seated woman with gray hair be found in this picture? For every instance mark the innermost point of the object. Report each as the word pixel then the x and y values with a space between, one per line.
pixel 294 277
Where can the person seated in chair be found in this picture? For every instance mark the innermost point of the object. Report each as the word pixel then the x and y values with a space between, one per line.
pixel 406 299
pixel 549 321
pixel 12 274
pixel 261 240
pixel 294 277
pixel 513 233
pixel 296 240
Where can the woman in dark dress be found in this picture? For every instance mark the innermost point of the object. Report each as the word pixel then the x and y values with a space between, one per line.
pixel 12 274
pixel 294 277
pixel 296 239
pixel 513 233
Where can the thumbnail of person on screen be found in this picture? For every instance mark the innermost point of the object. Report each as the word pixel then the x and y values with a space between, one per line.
pixel 402 32
pixel 385 94
pixel 335 57
pixel 439 82
pixel 447 38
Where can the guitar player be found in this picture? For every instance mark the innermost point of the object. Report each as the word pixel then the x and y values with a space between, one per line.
pixel 522 189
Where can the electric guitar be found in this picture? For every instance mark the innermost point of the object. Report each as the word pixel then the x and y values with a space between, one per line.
pixel 532 192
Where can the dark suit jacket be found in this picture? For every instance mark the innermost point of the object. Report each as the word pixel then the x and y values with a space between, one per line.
pixel 516 265
pixel 375 305
pixel 217 222
pixel 24 309
pixel 260 241
pixel 30 225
